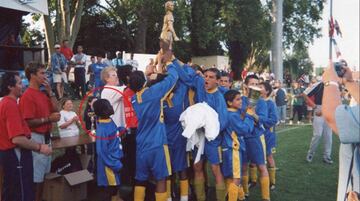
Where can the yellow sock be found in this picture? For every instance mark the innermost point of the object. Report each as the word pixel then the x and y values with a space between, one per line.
pixel 265 188
pixel 161 196
pixel 139 193
pixel 199 189
pixel 253 174
pixel 184 187
pixel 241 195
pixel 227 183
pixel 220 192
pixel 272 171
pixel 233 191
pixel 245 184
pixel 168 188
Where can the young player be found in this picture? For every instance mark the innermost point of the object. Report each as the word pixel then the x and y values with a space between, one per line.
pixel 255 143
pixel 108 149
pixel 152 154
pixel 233 145
pixel 269 124
pixel 207 91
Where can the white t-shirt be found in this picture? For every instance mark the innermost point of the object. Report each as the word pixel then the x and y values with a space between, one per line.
pixel 117 101
pixel 72 129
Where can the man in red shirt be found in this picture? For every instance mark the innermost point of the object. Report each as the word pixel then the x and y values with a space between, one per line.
pixel 39 109
pixel 129 143
pixel 15 143
pixel 68 53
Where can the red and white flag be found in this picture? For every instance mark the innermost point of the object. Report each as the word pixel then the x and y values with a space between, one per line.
pixel 331 27
pixel 337 50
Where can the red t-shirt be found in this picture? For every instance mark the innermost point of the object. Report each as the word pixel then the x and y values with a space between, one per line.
pixel 130 115
pixel 12 123
pixel 67 52
pixel 35 104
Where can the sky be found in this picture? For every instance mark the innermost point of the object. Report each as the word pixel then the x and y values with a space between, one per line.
pixel 346 12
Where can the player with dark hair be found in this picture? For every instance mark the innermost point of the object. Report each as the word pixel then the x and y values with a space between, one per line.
pixel 270 136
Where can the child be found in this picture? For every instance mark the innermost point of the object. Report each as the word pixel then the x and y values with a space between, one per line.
pixel 269 124
pixel 233 145
pixel 108 149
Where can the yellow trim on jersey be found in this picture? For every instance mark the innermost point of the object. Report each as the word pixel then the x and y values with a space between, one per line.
pixel 104 120
pixel 139 94
pixel 191 94
pixel 232 109
pixel 169 100
pixel 167 158
pixel 110 176
pixel 220 153
pixel 162 104
pixel 262 138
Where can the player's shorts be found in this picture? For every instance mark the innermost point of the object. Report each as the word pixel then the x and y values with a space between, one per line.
pixel 41 162
pixel 58 78
pixel 179 159
pixel 155 162
pixel 255 150
pixel 270 139
pixel 212 153
pixel 231 164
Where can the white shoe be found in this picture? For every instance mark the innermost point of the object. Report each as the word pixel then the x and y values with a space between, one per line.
pixel 291 122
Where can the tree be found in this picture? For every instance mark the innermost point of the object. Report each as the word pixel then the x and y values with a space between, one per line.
pixel 67 16
pixel 247 31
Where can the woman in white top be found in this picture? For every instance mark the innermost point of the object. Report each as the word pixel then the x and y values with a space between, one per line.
pixel 113 93
pixel 68 120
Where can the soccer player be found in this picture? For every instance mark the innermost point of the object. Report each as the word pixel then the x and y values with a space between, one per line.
pixel 175 104
pixel 269 124
pixel 152 154
pixel 206 90
pixel 233 145
pixel 255 143
pixel 108 149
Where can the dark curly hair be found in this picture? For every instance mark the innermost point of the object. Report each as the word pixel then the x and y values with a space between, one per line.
pixel 7 80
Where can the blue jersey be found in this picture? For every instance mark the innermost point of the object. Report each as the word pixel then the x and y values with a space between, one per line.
pixel 215 100
pixel 148 105
pixel 272 119
pixel 109 153
pixel 96 68
pixel 261 111
pixel 237 128
pixel 175 104
pixel 223 90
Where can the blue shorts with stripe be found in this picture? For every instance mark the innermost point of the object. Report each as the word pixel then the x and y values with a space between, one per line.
pixel 232 161
pixel 153 163
pixel 255 150
pixel 270 139
pixel 212 154
pixel 179 158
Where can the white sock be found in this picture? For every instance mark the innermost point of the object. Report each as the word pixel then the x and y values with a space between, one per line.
pixel 184 198
pixel 169 199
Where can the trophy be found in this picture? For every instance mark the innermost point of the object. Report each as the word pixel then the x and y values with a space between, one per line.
pixel 253 95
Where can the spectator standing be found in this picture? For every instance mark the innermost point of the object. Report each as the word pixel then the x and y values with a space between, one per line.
pixel 117 62
pixel 58 67
pixel 80 59
pixel 96 68
pixel 91 83
pixel 107 60
pixel 68 53
pixel 39 109
pixel 320 127
pixel 345 121
pixel 288 79
pixel 133 62
pixel 15 144
pixel 69 120
pixel 297 102
pixel 113 93
pixel 280 100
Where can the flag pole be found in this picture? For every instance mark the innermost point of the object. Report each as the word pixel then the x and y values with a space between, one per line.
pixel 330 35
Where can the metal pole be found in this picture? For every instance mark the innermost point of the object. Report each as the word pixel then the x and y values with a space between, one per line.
pixel 330 36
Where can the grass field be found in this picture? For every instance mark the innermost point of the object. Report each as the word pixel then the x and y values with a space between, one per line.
pixel 298 180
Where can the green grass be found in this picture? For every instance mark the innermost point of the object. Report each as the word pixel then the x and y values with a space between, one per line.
pixel 298 180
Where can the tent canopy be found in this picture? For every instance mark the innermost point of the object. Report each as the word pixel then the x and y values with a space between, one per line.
pixel 31 6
